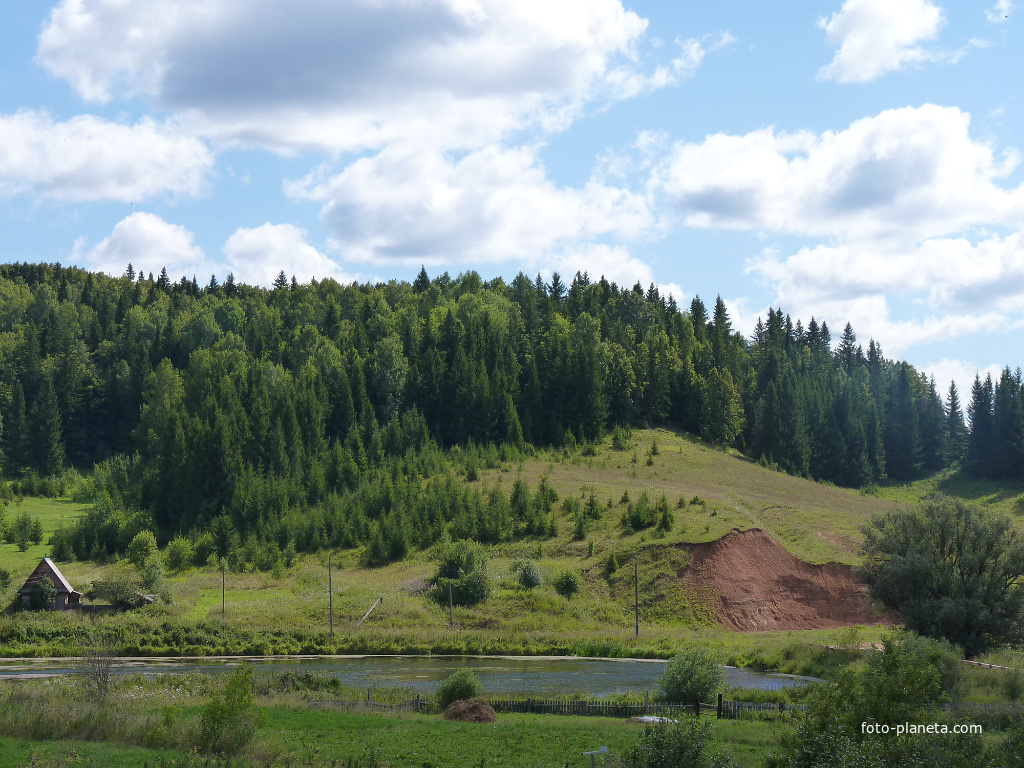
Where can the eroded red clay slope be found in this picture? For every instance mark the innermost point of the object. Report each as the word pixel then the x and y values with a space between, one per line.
pixel 760 586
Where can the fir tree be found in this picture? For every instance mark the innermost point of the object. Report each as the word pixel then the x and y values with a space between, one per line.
pixel 14 438
pixel 45 443
pixel 956 430
pixel 422 282
pixel 978 455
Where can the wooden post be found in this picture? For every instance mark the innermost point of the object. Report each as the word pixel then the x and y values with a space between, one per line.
pixel 719 706
pixel 636 599
pixel 330 594
pixel 451 616
pixel 696 708
pixel 647 702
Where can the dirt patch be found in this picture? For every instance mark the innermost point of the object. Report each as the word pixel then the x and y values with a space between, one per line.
pixel 760 586
pixel 471 711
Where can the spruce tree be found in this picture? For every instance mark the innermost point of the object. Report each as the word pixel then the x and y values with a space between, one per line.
pixel 979 443
pixel 903 448
pixel 933 425
pixel 1007 426
pixel 556 290
pixel 846 352
pixel 699 317
pixel 14 438
pixel 721 336
pixel 422 282
pixel 45 443
pixel 956 430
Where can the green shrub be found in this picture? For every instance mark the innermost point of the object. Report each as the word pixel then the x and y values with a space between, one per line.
pixel 5 579
pixel 61 545
pixel 643 514
pixel 693 675
pixel 120 586
pixel 142 548
pixel 229 721
pixel 455 559
pixel 913 563
pixel 529 575
pixel 567 584
pixel 470 589
pixel 36 531
pixel 611 565
pixel 899 685
pixel 43 594
pixel 1013 747
pixel 459 686
pixel 179 553
pixel 684 744
pixel 22 530
pixel 622 438
pixel 153 578
pixel 1013 685
pixel 203 550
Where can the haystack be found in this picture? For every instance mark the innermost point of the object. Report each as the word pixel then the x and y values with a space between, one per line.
pixel 471 711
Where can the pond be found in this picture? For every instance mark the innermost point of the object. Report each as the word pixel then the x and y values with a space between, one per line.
pixel 537 676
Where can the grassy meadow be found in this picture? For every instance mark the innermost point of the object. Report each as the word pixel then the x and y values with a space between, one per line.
pixel 287 613
pixel 710 492
pixel 300 734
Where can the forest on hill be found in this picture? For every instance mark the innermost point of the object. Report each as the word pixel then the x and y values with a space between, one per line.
pixel 255 420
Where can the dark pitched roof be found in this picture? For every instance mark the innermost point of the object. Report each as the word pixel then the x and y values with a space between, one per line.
pixel 46 568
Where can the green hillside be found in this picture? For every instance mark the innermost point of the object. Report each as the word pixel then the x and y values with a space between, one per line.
pixel 268 612
pixel 817 522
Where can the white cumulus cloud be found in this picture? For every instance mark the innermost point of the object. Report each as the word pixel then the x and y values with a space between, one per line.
pixel 257 255
pixel 906 173
pixel 486 206
pixel 355 74
pixel 87 158
pixel 149 244
pixel 874 37
pixel 962 373
pixel 253 255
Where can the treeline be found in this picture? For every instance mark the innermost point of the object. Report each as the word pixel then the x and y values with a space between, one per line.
pixel 323 414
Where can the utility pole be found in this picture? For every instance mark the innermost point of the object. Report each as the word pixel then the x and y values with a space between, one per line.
pixel 330 594
pixel 636 599
pixel 223 580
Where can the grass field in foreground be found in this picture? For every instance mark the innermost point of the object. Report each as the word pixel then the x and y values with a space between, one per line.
pixel 20 753
pixel 515 740
pixel 322 738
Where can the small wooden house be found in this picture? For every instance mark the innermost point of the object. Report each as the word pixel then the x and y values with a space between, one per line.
pixel 67 598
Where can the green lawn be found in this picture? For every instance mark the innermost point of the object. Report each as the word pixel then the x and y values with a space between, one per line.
pixel 19 753
pixel 515 740
pixel 51 513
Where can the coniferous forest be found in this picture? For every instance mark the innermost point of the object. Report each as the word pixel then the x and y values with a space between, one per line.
pixel 252 421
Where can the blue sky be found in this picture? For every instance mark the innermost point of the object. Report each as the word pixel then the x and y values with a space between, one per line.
pixel 857 161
